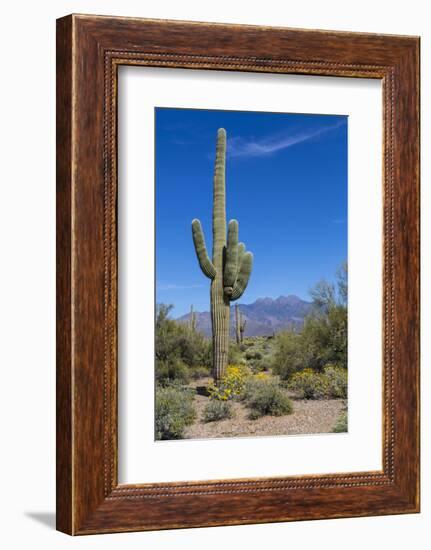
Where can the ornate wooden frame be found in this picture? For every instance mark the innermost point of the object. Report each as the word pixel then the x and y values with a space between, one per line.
pixel 89 51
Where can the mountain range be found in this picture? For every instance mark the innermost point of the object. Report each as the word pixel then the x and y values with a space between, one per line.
pixel 264 317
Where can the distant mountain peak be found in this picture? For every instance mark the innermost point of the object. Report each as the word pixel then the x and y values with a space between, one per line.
pixel 290 299
pixel 265 316
pixel 263 301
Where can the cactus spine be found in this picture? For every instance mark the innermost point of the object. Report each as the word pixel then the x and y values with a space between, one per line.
pixel 230 267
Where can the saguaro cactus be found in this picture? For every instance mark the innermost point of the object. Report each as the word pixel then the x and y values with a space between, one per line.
pixel 192 321
pixel 237 329
pixel 230 267
pixel 240 324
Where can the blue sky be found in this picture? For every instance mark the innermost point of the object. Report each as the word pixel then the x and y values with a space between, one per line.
pixel 286 184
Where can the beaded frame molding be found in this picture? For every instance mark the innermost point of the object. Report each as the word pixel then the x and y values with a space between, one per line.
pixel 89 51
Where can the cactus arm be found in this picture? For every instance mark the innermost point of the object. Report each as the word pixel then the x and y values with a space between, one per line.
pixel 241 250
pixel 243 276
pixel 201 250
pixel 231 259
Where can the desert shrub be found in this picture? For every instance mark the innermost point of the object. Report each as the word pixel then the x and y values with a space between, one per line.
pixel 217 410
pixel 325 330
pixel 174 411
pixel 323 338
pixel 337 381
pixel 323 341
pixel 173 370
pixel 265 397
pixel 341 425
pixel 331 383
pixel 199 372
pixel 257 366
pixel 309 384
pixel 204 354
pixel 260 376
pixel 254 414
pixel 253 355
pixel 235 355
pixel 231 385
pixel 263 364
pixel 178 348
pixel 289 354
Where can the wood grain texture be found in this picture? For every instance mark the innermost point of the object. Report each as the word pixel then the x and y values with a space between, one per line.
pixel 64 495
pixel 90 49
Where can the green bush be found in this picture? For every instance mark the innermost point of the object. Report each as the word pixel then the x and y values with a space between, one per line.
pixel 254 414
pixel 289 354
pixel 337 381
pixel 265 397
pixel 309 384
pixel 257 366
pixel 217 410
pixel 323 338
pixel 235 355
pixel 341 425
pixel 178 350
pixel 262 363
pixel 329 384
pixel 174 411
pixel 253 355
pixel 173 370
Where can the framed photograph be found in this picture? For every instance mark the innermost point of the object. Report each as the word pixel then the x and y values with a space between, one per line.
pixel 237 274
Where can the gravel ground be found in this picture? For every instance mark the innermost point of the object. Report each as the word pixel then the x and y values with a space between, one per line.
pixel 308 417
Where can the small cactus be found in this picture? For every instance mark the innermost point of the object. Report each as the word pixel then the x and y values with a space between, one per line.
pixel 240 324
pixel 237 329
pixel 192 320
pixel 230 267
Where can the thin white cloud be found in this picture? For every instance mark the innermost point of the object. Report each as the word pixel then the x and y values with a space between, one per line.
pixel 241 147
pixel 177 287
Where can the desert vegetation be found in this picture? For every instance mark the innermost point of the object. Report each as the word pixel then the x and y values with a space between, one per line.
pixel 174 411
pixel 223 386
pixel 293 382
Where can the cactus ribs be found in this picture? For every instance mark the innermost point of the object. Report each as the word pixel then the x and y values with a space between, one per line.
pixel 230 267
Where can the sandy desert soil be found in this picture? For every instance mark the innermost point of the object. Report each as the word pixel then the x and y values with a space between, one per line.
pixel 308 417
